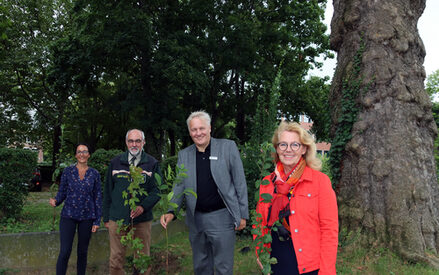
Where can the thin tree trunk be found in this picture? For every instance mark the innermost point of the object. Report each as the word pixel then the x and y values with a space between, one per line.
pixel 240 116
pixel 172 137
pixel 388 186
pixel 56 145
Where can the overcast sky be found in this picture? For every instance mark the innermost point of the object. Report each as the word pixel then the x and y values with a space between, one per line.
pixel 428 26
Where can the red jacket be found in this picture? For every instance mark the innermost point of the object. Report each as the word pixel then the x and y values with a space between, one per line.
pixel 313 221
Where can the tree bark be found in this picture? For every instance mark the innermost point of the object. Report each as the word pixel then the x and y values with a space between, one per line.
pixel 240 112
pixel 388 187
pixel 57 133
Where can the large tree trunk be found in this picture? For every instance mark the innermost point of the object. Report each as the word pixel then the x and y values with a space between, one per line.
pixel 388 186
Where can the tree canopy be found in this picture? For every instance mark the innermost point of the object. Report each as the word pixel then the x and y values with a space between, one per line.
pixel 99 68
pixel 432 85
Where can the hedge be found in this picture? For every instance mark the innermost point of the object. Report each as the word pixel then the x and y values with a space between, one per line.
pixel 16 168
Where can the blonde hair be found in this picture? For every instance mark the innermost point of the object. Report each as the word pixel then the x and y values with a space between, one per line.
pixel 306 139
pixel 198 114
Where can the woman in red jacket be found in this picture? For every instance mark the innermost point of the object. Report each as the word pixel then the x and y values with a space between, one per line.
pixel 304 204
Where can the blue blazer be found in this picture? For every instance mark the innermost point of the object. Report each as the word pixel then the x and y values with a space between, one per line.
pixel 227 172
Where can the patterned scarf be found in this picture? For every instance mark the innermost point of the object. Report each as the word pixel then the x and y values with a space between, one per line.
pixel 283 186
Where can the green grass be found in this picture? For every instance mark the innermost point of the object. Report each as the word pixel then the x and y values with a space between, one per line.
pixel 350 261
pixel 357 260
pixel 37 216
pixel 179 246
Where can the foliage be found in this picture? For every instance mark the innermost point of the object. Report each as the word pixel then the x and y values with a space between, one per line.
pixel 326 166
pixel 171 179
pixel 352 86
pixel 5 271
pixel 34 102
pixel 141 261
pixel 260 239
pixel 134 189
pixel 262 128
pixel 16 166
pixel 432 85
pixel 432 88
pixel 316 101
pixel 352 258
pixel 100 159
pixel 255 158
pixel 165 164
pixel 36 215
pixel 61 160
pixel 166 186
pixel 257 162
pixel 182 56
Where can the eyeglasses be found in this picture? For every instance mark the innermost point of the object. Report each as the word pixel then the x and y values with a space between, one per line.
pixel 85 152
pixel 283 146
pixel 135 141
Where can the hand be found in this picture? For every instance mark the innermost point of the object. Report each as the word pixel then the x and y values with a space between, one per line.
pixel 52 202
pixel 94 228
pixel 165 219
pixel 136 212
pixel 107 225
pixel 241 225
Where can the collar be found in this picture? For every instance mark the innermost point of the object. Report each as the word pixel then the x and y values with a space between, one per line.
pixel 307 174
pixel 207 150
pixel 130 156
pixel 127 156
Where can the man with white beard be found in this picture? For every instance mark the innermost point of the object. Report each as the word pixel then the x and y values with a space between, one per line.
pixel 114 208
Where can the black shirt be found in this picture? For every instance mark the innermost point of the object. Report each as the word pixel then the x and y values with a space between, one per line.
pixel 208 198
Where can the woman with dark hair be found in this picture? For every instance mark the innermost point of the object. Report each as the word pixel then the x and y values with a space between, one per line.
pixel 80 190
pixel 302 215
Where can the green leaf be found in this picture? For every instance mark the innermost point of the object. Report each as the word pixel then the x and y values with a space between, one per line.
pixel 190 191
pixel 266 197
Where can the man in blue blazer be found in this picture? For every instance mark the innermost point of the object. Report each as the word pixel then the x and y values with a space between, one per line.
pixel 215 173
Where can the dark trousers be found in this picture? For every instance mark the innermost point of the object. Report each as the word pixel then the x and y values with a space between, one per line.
pixel 284 252
pixel 67 229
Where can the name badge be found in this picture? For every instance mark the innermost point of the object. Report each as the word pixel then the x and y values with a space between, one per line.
pixel 213 158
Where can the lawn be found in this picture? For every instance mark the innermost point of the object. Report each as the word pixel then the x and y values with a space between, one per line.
pixel 181 256
pixel 37 216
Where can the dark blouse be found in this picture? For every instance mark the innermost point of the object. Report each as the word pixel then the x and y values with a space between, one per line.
pixel 82 198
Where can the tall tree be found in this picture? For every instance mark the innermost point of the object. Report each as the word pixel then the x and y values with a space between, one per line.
pixel 387 187
pixel 189 55
pixel 26 69
pixel 247 42
pixel 101 67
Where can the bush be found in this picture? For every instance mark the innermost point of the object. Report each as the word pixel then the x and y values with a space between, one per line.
pixel 16 168
pixel 172 161
pixel 255 160
pixel 326 168
pixel 100 160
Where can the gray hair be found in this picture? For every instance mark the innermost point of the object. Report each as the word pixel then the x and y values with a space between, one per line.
pixel 129 131
pixel 198 114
